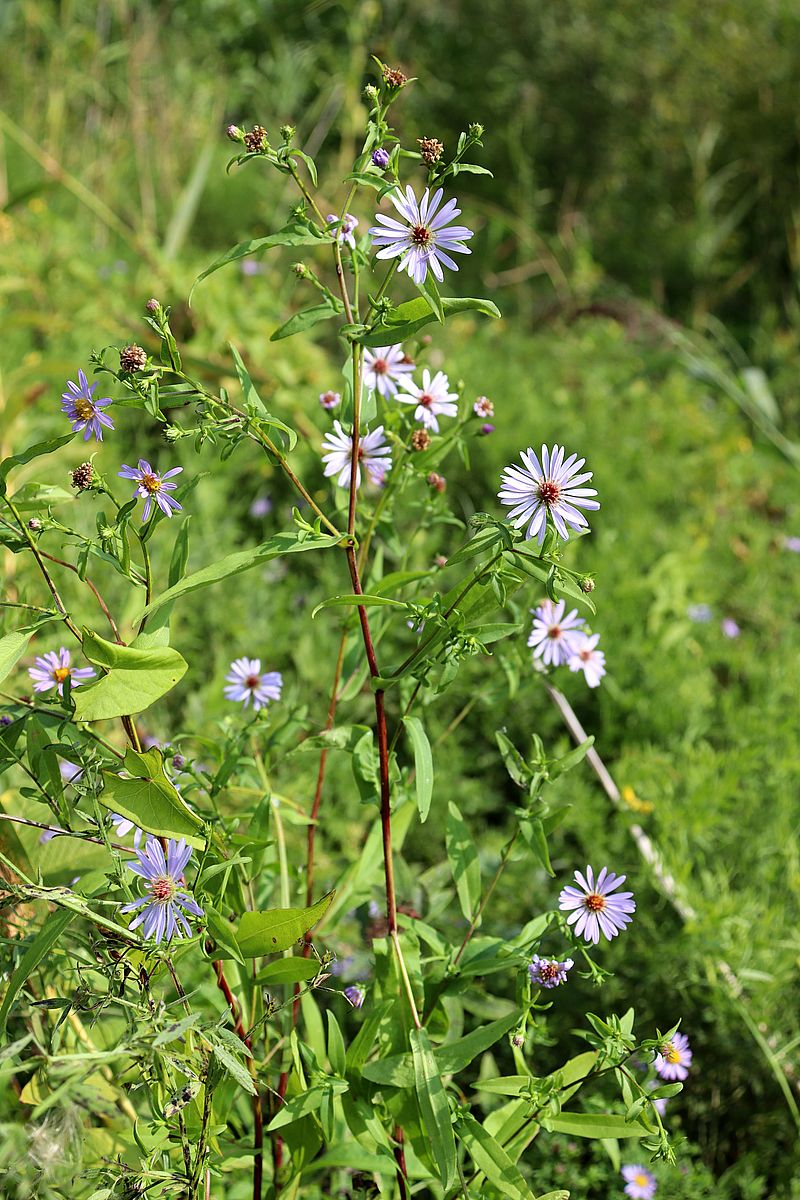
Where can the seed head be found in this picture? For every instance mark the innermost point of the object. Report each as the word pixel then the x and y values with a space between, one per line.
pixel 431 150
pixel 380 158
pixel 255 141
pixel 420 440
pixel 132 358
pixel 83 476
pixel 518 1040
pixel 437 482
pixel 394 78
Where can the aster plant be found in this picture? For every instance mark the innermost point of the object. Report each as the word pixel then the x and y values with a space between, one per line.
pixel 227 1054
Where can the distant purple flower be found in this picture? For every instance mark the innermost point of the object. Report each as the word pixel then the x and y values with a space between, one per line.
pixel 373 452
pixel 178 762
pixel 251 266
pixel 640 1184
pixel 380 158
pixel 433 399
pixel 6 720
pixel 730 628
pixel 165 905
pixel 422 243
pixel 792 543
pixel 661 1102
pixel 247 682
pixel 356 993
pixel 674 1058
pixel 342 966
pixel 701 613
pixel 345 230
pixel 330 400
pixel 487 429
pixel 593 910
pixel 551 489
pixel 123 827
pixel 549 972
pixel 151 486
pixel 51 670
pixel 587 658
pixel 83 410
pixel 384 368
pixel 483 407
pixel 261 506
pixel 554 636
pixel 47 836
pixel 69 772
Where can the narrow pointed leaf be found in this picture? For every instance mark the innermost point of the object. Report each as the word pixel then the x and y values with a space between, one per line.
pixel 434 1107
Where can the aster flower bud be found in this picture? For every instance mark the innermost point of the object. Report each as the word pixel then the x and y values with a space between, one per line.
pixel 300 270
pixel 431 150
pixel 476 131
pixel 441 560
pixel 35 525
pixel 287 133
pixel 486 429
pixel 371 93
pixel 235 133
pixel 587 584
pixel 5 720
pixel 437 482
pixel 256 140
pixel 172 433
pixel 420 440
pixel 132 358
pixel 152 305
pixel 380 158
pixel 355 994
pixel 394 78
pixel 518 1040
pixel 83 477
pixel 178 762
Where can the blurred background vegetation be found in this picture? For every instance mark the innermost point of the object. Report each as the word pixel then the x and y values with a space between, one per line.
pixel 640 235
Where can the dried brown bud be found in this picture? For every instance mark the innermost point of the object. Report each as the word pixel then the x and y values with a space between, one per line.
pixel 256 140
pixel 420 439
pixel 431 150
pixel 437 482
pixel 394 78
pixel 132 358
pixel 83 476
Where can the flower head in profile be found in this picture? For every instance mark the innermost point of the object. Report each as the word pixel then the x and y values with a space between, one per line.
pixel 552 488
pixel 152 487
pixel 549 972
pixel 593 907
pixel 433 399
pixel 166 903
pixel 640 1184
pixel 344 233
pixel 247 682
pixel 356 994
pixel 86 413
pixel 123 827
pixel 587 658
pixel 380 158
pixel 555 635
pixel 674 1058
pixel 384 368
pixel 53 669
pixel 373 452
pixel 424 239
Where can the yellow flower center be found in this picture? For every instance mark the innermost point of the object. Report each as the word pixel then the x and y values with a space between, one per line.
pixel 84 408
pixel 151 483
pixel 641 1180
pixel 671 1053
pixel 595 902
pixel 60 674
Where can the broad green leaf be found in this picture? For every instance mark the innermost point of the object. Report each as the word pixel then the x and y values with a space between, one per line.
pixel 423 765
pixel 464 862
pixel 277 929
pixel 149 799
pixel 490 1158
pixel 136 678
pixel 288 970
pixel 434 1107
pixel 455 1056
pixel 430 293
pixel 406 320
pixel 303 320
pixel 13 645
pixel 255 406
pixel 595 1125
pixel 570 760
pixel 41 945
pixel 241 560
pixel 358 600
pixel 33 496
pixel 293 234
pixel 25 456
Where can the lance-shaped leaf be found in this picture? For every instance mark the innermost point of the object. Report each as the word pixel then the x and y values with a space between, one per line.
pixel 423 764
pixel 255 406
pixel 407 319
pixel 39 947
pixel 277 929
pixel 434 1107
pixel 14 645
pixel 595 1125
pixel 464 862
pixel 490 1158
pixel 136 677
pixel 26 456
pixel 149 799
pixel 293 234
pixel 305 319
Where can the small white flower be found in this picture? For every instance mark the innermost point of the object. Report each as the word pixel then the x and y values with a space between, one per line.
pixel 433 400
pixel 345 230
pixel 587 658
pixel 551 488
pixel 373 452
pixel 424 241
pixel 247 682
pixel 384 368
pixel 554 636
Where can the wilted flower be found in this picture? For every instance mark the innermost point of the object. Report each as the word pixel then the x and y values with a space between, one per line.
pixel 384 368
pixel 344 233
pixel 83 410
pixel 256 140
pixel 640 1184
pixel 730 628
pixel 551 488
pixel 587 658
pixel 420 439
pixel 437 482
pixel 81 478
pixel 132 358
pixel 151 486
pixel 356 993
pixel 373 452
pixel 35 525
pixel 593 910
pixel 380 158
pixel 165 905
pixel 549 972
pixel 330 400
pixel 247 682
pixel 483 407
pixel 123 826
pixel 674 1058
pixel 554 636
pixel 433 400
pixel 394 78
pixel 52 669
pixel 700 613
pixel 431 150
pixel 178 762
pixel 427 237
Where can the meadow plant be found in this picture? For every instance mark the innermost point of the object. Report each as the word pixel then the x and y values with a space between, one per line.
pixel 193 1020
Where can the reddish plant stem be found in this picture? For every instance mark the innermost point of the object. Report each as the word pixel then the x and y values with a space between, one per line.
pixel 400 1159
pixel 92 589
pixel 258 1116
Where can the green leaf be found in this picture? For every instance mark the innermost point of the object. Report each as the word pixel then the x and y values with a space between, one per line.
pixel 336 1051
pixel 293 234
pixel 149 799
pixel 222 933
pixel 233 1067
pixel 277 929
pixel 305 319
pixel 136 678
pixel 34 496
pixel 308 160
pixel 455 1056
pixel 254 405
pixel 470 169
pixel 14 645
pixel 464 862
pixel 40 946
pixel 532 831
pixel 407 319
pixel 241 560
pixel 25 456
pixel 288 970
pixel 513 761
pixel 570 760
pixel 490 1158
pixel 595 1125
pixel 423 764
pixel 434 1107
pixel 358 600
pixel 431 293
pixel 306 1102
pixel 180 553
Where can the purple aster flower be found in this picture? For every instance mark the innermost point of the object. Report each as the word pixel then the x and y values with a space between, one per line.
pixel 251 266
pixel 700 613
pixel 640 1184
pixel 6 720
pixel 83 410
pixel 730 628
pixel 123 827
pixel 433 400
pixel 384 368
pixel 151 486
pixel 330 400
pixel 380 158
pixel 592 908
pixel 792 543
pixel 483 407
pixel 587 658
pixel 356 993
pixel 674 1058
pixel 554 636
pixel 69 772
pixel 261 506
pixel 345 230
pixel 247 682
pixel 166 903
pixel 52 669
pixel 425 239
pixel 549 972
pixel 372 451
pixel 550 489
